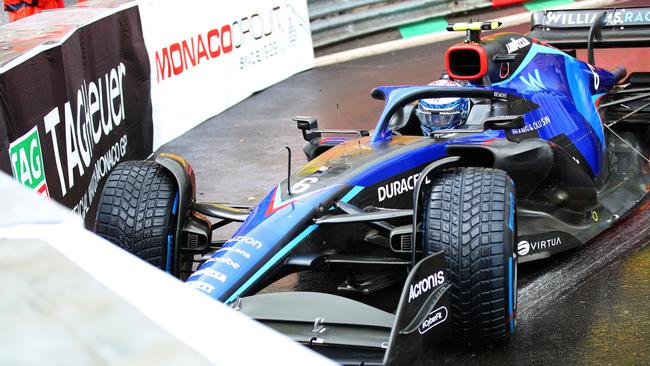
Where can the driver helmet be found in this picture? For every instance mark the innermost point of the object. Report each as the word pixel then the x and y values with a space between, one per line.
pixel 442 113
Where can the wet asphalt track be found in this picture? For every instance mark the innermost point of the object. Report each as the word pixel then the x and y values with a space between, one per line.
pixel 587 306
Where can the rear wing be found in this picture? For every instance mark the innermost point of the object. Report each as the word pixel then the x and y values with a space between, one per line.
pixel 611 27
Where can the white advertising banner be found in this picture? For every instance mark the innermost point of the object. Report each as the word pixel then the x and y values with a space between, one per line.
pixel 208 56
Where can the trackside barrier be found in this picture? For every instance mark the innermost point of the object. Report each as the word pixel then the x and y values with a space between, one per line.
pixel 84 88
pixel 74 100
pixel 334 21
pixel 369 18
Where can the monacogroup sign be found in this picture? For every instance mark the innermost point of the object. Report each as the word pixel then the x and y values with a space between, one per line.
pixel 204 63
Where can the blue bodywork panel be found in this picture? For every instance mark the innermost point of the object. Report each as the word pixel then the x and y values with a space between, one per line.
pixel 566 90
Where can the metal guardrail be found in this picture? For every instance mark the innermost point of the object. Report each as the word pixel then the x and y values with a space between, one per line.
pixel 319 9
pixel 334 21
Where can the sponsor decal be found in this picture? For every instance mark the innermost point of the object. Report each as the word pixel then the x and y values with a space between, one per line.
pixel 211 273
pixel 596 77
pixel 398 187
pixel 225 260
pixel 533 81
pixel 500 95
pixel 248 33
pixel 631 16
pixel 180 56
pixel 200 285
pixel 524 247
pixel 246 240
pixel 27 162
pixel 241 252
pixel 517 44
pixel 434 318
pixel 98 109
pixel 533 126
pixel 259 26
pixel 586 18
pixel 425 285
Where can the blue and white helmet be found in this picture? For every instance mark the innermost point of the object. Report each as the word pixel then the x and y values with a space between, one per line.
pixel 442 113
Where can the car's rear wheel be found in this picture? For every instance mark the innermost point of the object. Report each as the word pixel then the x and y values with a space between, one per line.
pixel 137 211
pixel 470 215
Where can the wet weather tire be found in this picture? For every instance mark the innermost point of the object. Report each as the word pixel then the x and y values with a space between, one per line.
pixel 470 215
pixel 137 211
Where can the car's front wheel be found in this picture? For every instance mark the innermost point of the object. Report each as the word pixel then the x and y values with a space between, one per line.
pixel 470 215
pixel 137 211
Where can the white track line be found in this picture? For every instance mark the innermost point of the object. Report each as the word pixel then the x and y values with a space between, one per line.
pixel 400 44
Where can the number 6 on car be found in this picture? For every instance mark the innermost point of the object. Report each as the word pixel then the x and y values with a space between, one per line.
pixel 303 185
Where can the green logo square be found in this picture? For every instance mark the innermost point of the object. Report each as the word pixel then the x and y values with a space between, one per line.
pixel 27 161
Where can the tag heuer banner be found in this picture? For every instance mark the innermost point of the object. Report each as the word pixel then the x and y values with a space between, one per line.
pixel 76 104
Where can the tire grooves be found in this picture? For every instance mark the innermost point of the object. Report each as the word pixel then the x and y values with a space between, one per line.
pixel 474 244
pixel 135 209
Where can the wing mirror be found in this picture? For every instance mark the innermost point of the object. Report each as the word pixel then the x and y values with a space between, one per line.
pixel 308 126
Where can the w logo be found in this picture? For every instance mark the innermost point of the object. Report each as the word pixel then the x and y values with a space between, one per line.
pixel 534 81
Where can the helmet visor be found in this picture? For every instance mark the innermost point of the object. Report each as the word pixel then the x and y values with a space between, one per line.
pixel 435 120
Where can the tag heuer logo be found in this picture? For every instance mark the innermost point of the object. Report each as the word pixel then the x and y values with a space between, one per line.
pixel 27 162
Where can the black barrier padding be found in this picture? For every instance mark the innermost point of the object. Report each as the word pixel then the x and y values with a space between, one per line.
pixel 109 51
pixel 5 163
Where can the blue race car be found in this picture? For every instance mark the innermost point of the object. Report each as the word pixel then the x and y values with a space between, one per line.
pixel 551 152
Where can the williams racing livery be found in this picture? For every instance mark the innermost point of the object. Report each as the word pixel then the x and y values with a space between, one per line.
pixel 546 152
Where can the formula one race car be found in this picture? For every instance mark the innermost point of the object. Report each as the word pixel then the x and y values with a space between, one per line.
pixel 553 151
